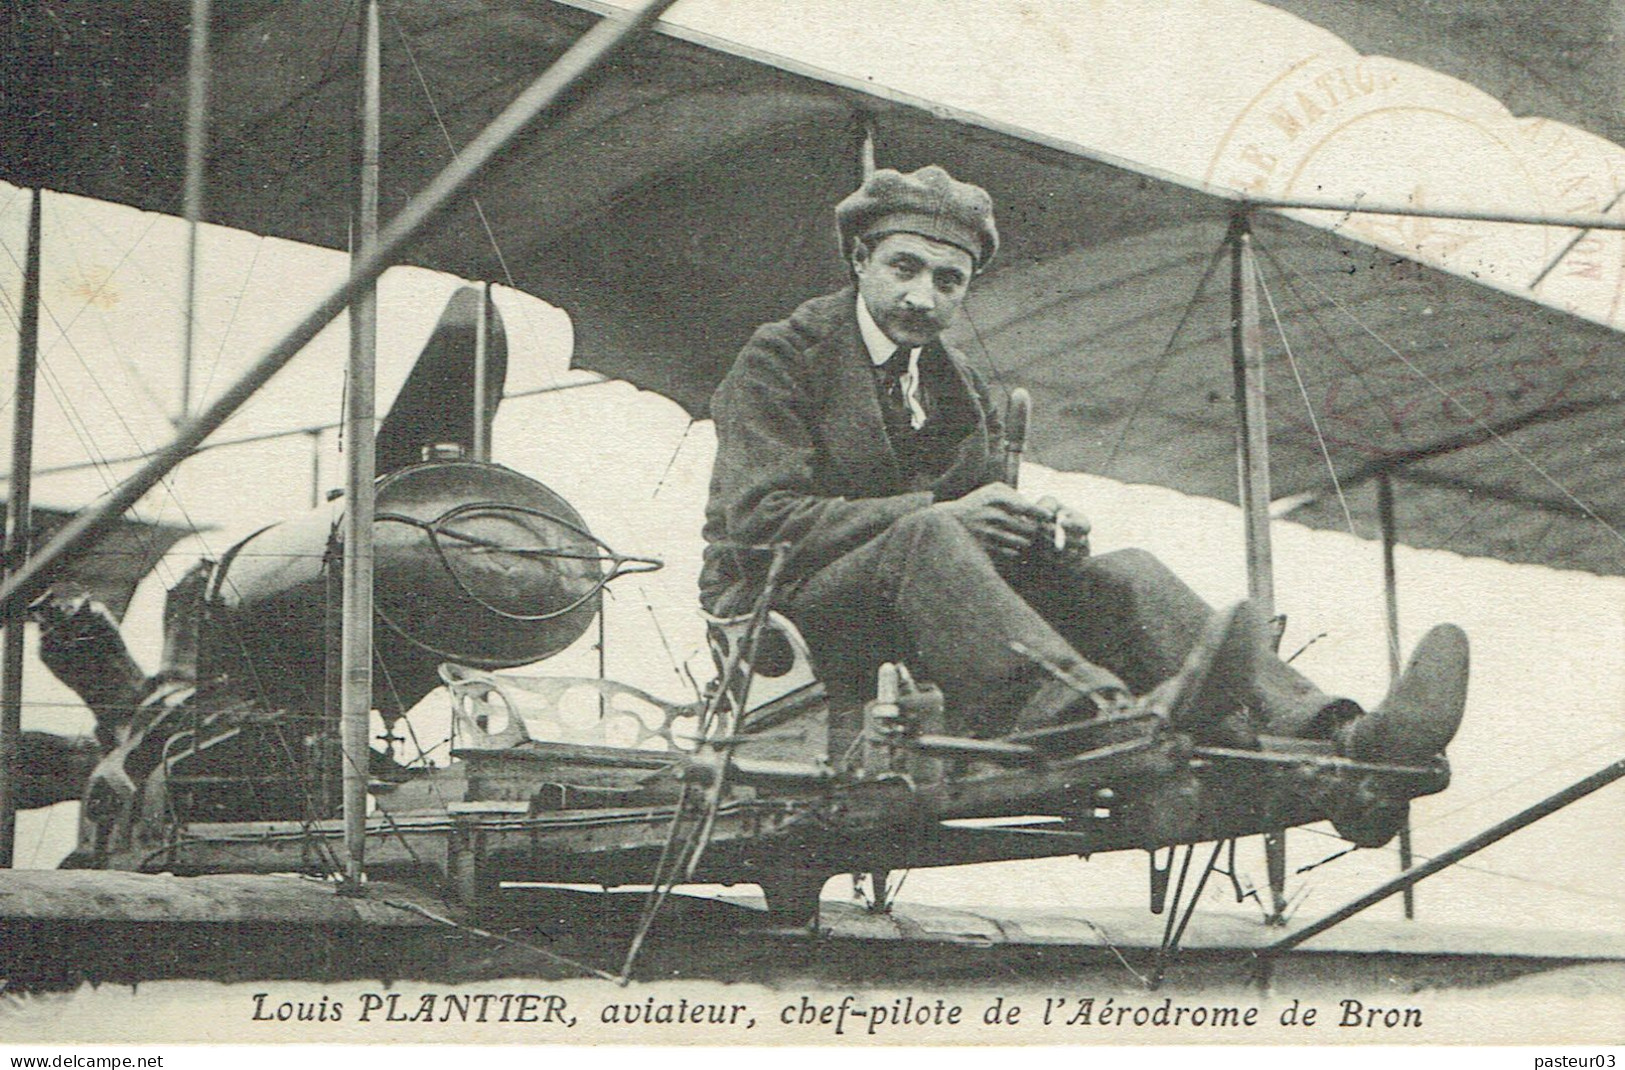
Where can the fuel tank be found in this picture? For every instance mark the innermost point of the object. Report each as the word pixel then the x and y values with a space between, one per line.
pixel 474 563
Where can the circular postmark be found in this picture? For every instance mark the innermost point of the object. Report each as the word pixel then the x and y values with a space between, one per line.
pixel 1363 128
pixel 1348 128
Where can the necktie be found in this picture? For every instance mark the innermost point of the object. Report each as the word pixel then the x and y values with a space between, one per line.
pixel 903 386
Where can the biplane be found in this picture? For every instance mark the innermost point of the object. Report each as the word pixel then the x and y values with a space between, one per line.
pixel 671 191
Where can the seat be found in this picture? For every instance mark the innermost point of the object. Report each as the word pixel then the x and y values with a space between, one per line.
pixel 783 661
pixel 786 709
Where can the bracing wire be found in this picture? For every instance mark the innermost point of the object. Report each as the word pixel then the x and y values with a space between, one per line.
pixel 1313 307
pixel 133 374
pixel 484 934
pixel 451 146
pixel 146 230
pixel 1303 392
pixel 167 483
pixel 1097 334
pixel 671 462
pixel 82 429
pixel 445 133
pixel 1528 462
pixel 421 77
pixel 76 422
pixel 270 436
pixel 1162 358
pixel 1494 793
pixel 496 247
pixel 981 345
pixel 347 18
pixel 245 285
pixel 665 643
pixel 1474 867
pixel 16 192
pixel 1573 242
pixel 1499 789
pixel 67 405
pixel 1353 367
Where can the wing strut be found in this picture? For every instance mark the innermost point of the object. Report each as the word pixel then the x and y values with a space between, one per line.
pixel 197 147
pixel 355 688
pixel 19 527
pixel 1390 590
pixel 1173 930
pixel 481 446
pixel 1253 475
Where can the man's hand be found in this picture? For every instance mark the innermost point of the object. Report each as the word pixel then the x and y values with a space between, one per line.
pixel 1067 529
pixel 1000 518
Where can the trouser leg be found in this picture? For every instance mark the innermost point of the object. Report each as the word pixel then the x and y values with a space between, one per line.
pixel 1123 609
pixel 1128 611
pixel 926 591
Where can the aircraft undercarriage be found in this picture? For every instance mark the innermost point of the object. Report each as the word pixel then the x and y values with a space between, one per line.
pixel 227 764
pixel 519 809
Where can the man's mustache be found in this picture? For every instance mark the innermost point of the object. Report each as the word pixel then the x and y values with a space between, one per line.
pixel 919 321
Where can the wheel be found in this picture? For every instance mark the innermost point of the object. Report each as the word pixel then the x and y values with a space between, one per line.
pixel 1373 824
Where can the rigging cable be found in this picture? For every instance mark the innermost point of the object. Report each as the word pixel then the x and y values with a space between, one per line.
pixel 1500 789
pixel 329 67
pixel 1303 392
pixel 1161 362
pixel 688 855
pixel 1474 417
pixel 1287 276
pixel 672 461
pixel 665 643
pixel 81 428
pixel 1579 236
pixel 445 133
pixel 500 938
pixel 434 109
pixel 1567 889
pixel 474 199
pixel 97 294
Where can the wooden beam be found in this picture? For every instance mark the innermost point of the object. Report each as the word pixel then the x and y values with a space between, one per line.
pixel 1390 591
pixel 1253 476
pixel 19 532
pixel 360 471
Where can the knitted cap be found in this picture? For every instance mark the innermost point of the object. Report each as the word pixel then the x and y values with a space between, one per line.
pixel 929 202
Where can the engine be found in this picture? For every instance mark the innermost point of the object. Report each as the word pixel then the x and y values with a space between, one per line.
pixel 473 563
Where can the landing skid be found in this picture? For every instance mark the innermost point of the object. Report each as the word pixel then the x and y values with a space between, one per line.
pixel 793 898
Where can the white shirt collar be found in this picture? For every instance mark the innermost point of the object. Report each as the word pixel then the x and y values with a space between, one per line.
pixel 880 350
pixel 875 341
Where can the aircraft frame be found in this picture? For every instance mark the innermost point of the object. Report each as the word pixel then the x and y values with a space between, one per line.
pixel 723 813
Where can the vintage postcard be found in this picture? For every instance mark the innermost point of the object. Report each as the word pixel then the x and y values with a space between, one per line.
pixel 855 523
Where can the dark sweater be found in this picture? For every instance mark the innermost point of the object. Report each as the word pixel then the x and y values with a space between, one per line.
pixel 803 457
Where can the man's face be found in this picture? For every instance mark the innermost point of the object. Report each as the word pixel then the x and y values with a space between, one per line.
pixel 913 285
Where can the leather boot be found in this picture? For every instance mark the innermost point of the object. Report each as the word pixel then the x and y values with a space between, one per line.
pixel 1422 711
pixel 1205 697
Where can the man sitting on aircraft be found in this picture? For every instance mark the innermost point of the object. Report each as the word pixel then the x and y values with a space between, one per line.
pixel 852 433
